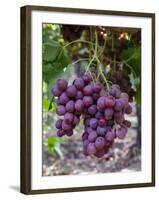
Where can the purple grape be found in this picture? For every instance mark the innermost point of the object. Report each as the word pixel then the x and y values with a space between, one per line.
pixel 60 133
pixel 109 113
pixel 91 149
pixel 99 115
pixel 69 133
pixel 88 101
pixel 79 83
pixel 116 86
pixel 92 109
pixel 97 88
pixel 56 92
pixel 71 91
pixel 87 121
pixel 79 95
pixel 102 122
pixel 58 124
pixel 100 153
pixel 95 96
pixel 70 106
pixel 109 101
pixel 101 131
pixel 119 105
pixel 88 90
pixel 60 110
pixel 76 120
pixel 87 78
pixel 110 135
pixel 62 84
pixel 89 130
pixel 79 105
pixel 126 123
pixel 63 98
pixel 66 127
pixel 101 104
pixel 125 97
pixel 92 136
pixel 121 132
pixel 85 136
pixel 57 101
pixel 85 143
pixel 93 123
pixel 99 143
pixel 69 118
pixel 128 109
pixel 115 92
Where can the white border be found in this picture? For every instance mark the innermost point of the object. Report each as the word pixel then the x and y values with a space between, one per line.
pixel 144 176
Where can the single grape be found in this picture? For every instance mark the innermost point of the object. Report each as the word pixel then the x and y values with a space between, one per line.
pixel 60 110
pixel 79 105
pixel 88 101
pixel 79 95
pixel 87 78
pixel 100 153
pixel 101 104
pixel 85 143
pixel 79 83
pixel 60 133
pixel 66 126
pixel 121 132
pixel 101 131
pixel 88 90
pixel 99 115
pixel 93 123
pixel 58 124
pixel 62 84
pixel 92 136
pixel 71 91
pixel 69 118
pixel 92 109
pixel 85 136
pixel 102 122
pixel 125 97
pixel 119 105
pixel 63 98
pixel 110 135
pixel 108 113
pixel 91 149
pixel 126 123
pixel 97 88
pixel 56 92
pixel 87 121
pixel 95 96
pixel 70 106
pixel 110 101
pixel 76 120
pixel 128 109
pixel 69 133
pixel 99 143
pixel 115 92
pixel 57 101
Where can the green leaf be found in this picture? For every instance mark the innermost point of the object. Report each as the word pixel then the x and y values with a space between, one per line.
pixel 49 105
pixel 54 146
pixel 51 50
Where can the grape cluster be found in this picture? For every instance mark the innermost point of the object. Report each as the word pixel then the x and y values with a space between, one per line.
pixel 121 78
pixel 102 112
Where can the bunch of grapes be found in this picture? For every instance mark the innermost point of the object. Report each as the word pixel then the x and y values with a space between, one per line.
pixel 121 78
pixel 103 113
